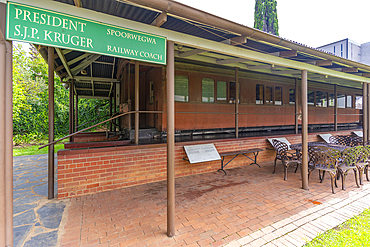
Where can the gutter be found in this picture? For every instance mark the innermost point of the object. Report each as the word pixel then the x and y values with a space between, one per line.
pixel 184 11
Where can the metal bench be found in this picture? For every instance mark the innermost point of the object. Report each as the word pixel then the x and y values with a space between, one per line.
pixel 236 153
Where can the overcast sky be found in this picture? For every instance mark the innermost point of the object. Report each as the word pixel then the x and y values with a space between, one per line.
pixel 311 22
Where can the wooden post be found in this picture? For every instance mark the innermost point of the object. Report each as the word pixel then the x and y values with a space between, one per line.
pixel 137 80
pixel 76 113
pixel 304 131
pixel 110 114
pixel 335 108
pixel 114 106
pixel 296 106
pixel 6 135
pixel 368 111
pixel 170 139
pixel 9 143
pixel 51 122
pixel 71 106
pixel 236 102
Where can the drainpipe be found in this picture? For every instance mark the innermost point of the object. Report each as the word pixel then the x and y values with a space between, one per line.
pixel 170 139
pixel 304 132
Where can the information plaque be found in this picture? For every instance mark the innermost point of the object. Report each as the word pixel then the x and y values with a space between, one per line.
pixel 202 153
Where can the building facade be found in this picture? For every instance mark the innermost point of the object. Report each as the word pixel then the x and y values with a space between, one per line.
pixel 349 49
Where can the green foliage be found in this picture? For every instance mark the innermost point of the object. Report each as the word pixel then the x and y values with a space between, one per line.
pixel 355 232
pixel 30 100
pixel 30 96
pixel 265 16
pixel 259 15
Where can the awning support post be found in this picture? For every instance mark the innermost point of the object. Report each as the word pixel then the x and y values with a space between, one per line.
pixel 71 107
pixel 304 132
pixel 296 106
pixel 6 133
pixel 170 139
pixel 137 80
pixel 368 111
pixel 365 124
pixel 335 108
pixel 236 102
pixel 51 122
pixel 76 113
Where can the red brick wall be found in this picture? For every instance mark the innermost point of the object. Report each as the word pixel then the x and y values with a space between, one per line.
pixel 88 171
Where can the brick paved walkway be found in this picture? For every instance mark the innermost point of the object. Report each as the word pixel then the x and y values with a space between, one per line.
pixel 248 207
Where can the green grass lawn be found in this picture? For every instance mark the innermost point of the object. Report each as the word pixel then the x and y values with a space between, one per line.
pixel 34 149
pixel 353 233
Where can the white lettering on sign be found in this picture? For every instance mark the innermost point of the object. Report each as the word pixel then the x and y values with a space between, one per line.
pixel 49 20
pixel 127 35
pixel 132 52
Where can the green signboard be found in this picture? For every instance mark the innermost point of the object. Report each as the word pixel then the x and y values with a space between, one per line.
pixel 49 28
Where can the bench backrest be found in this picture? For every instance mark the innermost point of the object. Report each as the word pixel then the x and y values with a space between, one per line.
pixel 282 139
pixel 358 133
pixel 325 137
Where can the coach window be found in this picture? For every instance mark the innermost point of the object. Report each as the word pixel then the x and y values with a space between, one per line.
pixel 232 92
pixel 331 99
pixel 341 98
pixel 222 91
pixel 358 103
pixel 208 90
pixel 259 94
pixel 349 101
pixel 291 96
pixel 278 96
pixel 181 88
pixel 269 95
pixel 311 97
pixel 321 99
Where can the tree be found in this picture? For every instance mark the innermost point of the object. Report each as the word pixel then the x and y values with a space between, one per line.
pixel 30 99
pixel 265 16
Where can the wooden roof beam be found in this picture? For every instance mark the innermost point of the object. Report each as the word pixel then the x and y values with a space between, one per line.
pixel 367 75
pixel 350 70
pixel 269 66
pixel 78 58
pixel 64 61
pixel 233 60
pixel 324 63
pixel 288 53
pixel 285 72
pixel 191 53
pixel 291 53
pixel 238 40
pixel 160 20
pixel 86 62
pixel 78 3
